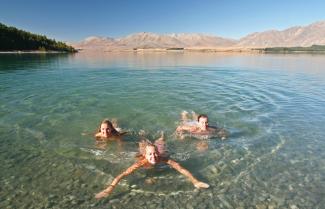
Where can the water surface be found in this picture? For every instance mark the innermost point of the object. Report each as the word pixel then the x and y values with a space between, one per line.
pixel 272 105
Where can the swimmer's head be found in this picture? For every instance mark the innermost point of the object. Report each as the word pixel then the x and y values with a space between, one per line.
pixel 203 122
pixel 106 128
pixel 151 154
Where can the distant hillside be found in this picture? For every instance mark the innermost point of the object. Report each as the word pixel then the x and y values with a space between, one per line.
pixel 303 36
pixel 299 36
pixel 151 41
pixel 94 42
pixel 13 39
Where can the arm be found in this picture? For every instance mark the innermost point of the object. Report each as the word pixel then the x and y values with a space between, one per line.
pixel 128 171
pixel 186 173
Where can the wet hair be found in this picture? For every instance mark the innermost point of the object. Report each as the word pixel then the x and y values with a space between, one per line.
pixel 201 116
pixel 143 144
pixel 109 125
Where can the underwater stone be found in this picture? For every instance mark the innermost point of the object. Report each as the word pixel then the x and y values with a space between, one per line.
pixel 271 206
pixel 261 198
pixel 224 201
pixel 71 197
pixel 114 201
pixel 152 206
pixel 260 206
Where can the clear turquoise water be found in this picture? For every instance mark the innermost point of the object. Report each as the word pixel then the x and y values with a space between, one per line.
pixel 272 105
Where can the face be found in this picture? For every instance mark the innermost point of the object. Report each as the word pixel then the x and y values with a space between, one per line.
pixel 104 130
pixel 151 155
pixel 203 123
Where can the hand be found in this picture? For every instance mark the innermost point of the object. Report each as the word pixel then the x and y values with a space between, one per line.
pixel 104 193
pixel 201 185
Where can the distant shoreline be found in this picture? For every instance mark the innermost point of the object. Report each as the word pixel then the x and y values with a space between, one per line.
pixel 139 50
pixel 34 52
pixel 270 50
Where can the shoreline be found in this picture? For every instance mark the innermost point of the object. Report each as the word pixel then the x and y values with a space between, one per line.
pixel 177 50
pixel 209 50
pixel 35 52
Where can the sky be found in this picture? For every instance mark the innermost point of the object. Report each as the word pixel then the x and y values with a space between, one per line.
pixel 74 20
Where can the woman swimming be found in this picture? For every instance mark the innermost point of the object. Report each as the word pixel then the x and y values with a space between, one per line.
pixel 150 155
pixel 108 129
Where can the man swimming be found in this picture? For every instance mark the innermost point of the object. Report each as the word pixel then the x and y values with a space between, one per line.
pixel 199 125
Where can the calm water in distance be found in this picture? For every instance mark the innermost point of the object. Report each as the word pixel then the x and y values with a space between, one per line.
pixel 272 105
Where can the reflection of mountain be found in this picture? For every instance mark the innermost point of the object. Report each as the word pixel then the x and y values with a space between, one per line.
pixel 295 36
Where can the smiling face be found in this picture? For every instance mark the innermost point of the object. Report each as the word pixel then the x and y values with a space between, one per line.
pixel 151 154
pixel 203 123
pixel 105 130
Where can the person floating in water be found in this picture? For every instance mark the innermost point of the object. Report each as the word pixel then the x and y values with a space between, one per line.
pixel 151 154
pixel 107 130
pixel 199 125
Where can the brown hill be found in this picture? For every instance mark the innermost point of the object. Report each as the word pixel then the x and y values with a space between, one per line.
pixel 295 36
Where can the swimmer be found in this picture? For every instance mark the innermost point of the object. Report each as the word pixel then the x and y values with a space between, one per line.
pixel 151 154
pixel 199 125
pixel 108 129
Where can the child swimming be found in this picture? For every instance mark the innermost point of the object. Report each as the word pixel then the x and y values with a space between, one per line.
pixel 150 155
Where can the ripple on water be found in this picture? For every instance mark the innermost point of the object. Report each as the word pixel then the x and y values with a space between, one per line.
pixel 273 157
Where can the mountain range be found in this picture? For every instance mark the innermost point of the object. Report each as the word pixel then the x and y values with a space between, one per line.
pixel 295 36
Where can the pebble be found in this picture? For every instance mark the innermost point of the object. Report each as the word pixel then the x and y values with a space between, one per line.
pixel 271 206
pixel 71 197
pixel 260 206
pixel 114 201
pixel 224 201
pixel 152 206
pixel 235 161
pixel 189 206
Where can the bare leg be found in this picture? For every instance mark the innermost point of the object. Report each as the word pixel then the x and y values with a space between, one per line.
pixel 194 116
pixel 161 144
pixel 184 116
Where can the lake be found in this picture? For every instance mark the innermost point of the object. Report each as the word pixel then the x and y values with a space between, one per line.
pixel 273 107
